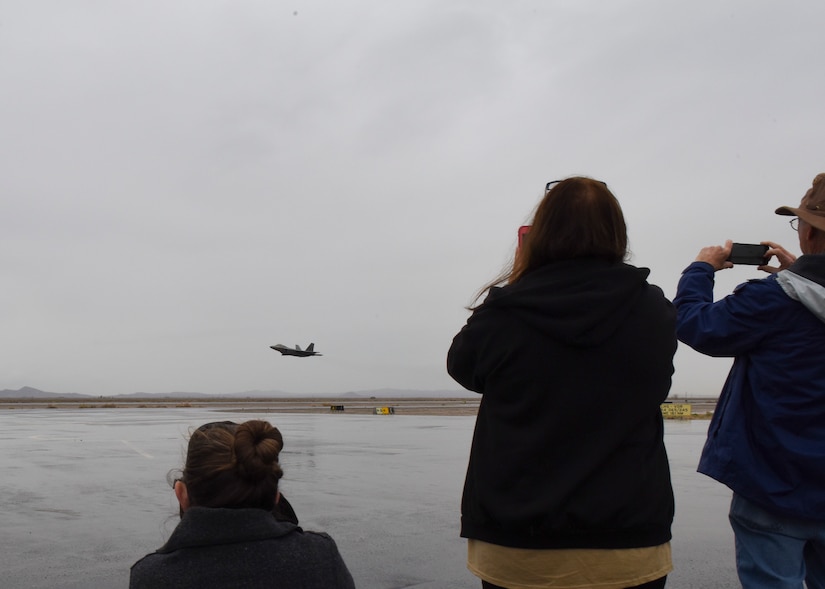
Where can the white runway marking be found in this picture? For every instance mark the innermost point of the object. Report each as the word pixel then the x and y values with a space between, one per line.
pixel 136 449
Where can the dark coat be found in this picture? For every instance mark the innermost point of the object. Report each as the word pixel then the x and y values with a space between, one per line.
pixel 241 549
pixel 767 437
pixel 573 362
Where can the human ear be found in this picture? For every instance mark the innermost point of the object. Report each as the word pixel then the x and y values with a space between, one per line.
pixel 810 239
pixel 182 494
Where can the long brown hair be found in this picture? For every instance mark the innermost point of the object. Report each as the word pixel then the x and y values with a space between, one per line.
pixel 231 465
pixel 577 218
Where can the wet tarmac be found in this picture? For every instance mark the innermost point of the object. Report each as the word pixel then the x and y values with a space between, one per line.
pixel 83 495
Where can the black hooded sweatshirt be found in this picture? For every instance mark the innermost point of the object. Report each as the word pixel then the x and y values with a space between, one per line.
pixel 573 362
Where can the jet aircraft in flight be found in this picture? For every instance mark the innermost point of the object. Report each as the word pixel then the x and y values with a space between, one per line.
pixel 296 351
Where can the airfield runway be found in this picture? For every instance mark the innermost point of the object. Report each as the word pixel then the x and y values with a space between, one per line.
pixel 83 494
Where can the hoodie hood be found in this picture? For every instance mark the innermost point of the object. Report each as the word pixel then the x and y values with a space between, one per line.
pixel 579 302
pixel 804 281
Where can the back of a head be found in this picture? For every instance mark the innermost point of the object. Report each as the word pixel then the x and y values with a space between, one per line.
pixel 578 218
pixel 232 465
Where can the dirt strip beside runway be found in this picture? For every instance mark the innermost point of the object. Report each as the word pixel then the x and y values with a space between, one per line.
pixel 701 408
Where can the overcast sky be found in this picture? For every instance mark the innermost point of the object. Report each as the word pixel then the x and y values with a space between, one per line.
pixel 185 183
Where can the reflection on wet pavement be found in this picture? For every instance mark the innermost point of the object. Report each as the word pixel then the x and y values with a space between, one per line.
pixel 83 495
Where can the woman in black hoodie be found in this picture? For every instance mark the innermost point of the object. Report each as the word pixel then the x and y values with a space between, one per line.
pixel 568 483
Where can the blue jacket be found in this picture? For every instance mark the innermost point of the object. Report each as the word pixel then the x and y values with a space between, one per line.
pixel 766 440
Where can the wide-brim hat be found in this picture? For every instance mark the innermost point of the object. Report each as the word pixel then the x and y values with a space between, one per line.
pixel 812 208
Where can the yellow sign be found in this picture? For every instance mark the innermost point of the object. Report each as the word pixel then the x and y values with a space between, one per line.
pixel 675 410
pixel 385 410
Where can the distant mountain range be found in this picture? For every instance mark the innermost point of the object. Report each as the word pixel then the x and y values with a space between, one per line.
pixel 32 393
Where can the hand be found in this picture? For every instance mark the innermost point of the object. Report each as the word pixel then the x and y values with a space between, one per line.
pixel 716 255
pixel 783 256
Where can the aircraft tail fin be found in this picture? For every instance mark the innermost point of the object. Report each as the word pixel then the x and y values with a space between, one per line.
pixel 297 347
pixel 311 347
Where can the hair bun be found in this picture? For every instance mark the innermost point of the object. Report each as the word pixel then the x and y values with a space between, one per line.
pixel 257 446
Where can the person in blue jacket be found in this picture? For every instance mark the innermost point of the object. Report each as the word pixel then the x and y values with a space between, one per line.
pixel 766 440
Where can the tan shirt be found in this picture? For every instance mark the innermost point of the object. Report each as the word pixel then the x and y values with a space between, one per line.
pixel 579 568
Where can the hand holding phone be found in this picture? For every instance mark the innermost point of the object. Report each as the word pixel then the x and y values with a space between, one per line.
pixel 783 257
pixel 522 233
pixel 748 253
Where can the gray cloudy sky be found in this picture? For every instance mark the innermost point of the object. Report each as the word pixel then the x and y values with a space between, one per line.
pixel 185 183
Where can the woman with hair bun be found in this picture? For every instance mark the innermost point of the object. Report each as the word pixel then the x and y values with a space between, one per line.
pixel 236 530
pixel 568 484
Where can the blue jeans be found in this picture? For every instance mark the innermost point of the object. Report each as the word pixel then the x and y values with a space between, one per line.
pixel 775 551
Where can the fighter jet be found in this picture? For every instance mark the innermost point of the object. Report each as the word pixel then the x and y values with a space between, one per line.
pixel 296 351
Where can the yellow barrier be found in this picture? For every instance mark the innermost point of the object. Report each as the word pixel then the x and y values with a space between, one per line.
pixel 675 410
